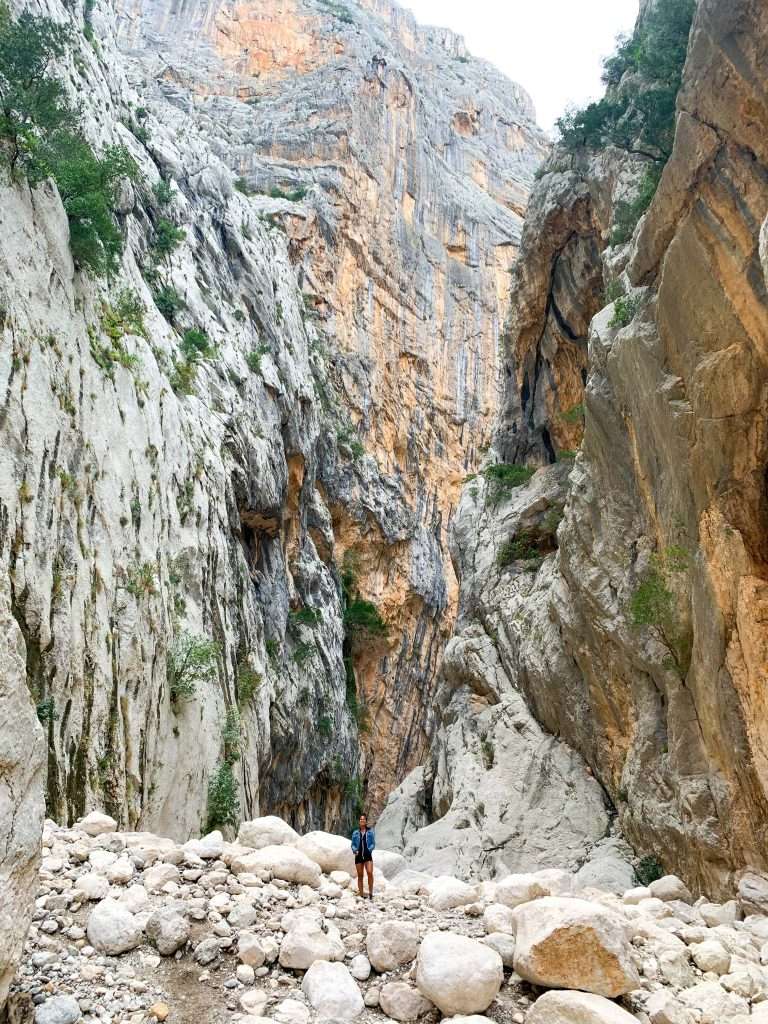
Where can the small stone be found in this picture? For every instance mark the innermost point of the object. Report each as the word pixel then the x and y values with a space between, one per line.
pixel 669 888
pixel 159 1011
pixel 360 967
pixel 401 1002
pixel 245 974
pixel 58 1010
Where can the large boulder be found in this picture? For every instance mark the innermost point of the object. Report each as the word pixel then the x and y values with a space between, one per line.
pixel 168 930
pixel 392 944
pixel 447 892
pixel 459 975
pixel 499 918
pixel 112 928
pixel 305 944
pixel 332 991
pixel 388 863
pixel 284 862
pixel 96 824
pixel 329 852
pixel 577 1008
pixel 402 1002
pixel 268 831
pixel 573 944
pixel 713 1005
pixel 514 890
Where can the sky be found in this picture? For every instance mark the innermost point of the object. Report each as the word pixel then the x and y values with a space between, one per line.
pixel 553 48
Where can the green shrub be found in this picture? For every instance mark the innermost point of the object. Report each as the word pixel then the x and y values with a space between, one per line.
pixel 167 300
pixel 272 647
pixel 644 75
pixel 34 103
pixel 362 619
pixel 195 344
pixel 46 711
pixel 303 652
pixel 654 606
pixel 88 186
pixel 648 870
pixel 167 239
pixel 253 359
pixel 192 659
pixel 627 215
pixel 248 683
pixel 40 131
pixel 625 310
pixel 126 316
pixel 223 799
pixel 613 291
pixel 182 377
pixel 231 736
pixel 163 192
pixel 574 415
pixel 325 726
pixel 141 581
pixel 306 616
pixel 522 548
pixel 502 479
pixel 241 184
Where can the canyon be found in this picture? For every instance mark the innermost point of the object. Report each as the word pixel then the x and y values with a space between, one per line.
pixel 385 467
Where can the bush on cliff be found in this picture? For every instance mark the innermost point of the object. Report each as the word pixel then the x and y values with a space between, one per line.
pixel 40 136
pixel 637 114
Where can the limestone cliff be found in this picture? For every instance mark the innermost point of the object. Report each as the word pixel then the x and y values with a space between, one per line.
pixel 408 164
pixel 174 530
pixel 635 630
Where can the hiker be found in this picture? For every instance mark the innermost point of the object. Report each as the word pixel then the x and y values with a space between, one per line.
pixel 363 845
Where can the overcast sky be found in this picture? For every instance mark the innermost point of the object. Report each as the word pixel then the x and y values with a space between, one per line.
pixel 553 48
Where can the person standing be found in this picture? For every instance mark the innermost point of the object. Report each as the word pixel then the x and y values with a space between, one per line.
pixel 363 845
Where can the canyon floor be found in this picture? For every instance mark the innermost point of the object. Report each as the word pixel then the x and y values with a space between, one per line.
pixel 132 927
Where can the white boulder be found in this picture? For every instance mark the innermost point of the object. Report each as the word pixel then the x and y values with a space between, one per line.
pixel 249 950
pixel 392 944
pixel 401 1001
pixel 112 928
pixel 329 852
pixel 514 890
pixel 96 824
pixel 447 892
pixel 303 945
pixel 332 991
pixel 499 918
pixel 669 888
pixel 577 1008
pixel 459 975
pixel 284 862
pixel 167 930
pixel 267 831
pixel 711 956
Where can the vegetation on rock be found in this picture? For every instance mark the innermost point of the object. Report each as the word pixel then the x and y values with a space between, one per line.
pixel 637 113
pixel 191 660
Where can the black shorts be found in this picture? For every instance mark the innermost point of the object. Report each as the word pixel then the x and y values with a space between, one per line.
pixel 363 858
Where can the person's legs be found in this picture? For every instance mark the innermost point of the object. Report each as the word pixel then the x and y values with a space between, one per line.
pixel 369 872
pixel 359 878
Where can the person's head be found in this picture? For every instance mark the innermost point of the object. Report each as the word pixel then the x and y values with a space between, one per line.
pixel 363 821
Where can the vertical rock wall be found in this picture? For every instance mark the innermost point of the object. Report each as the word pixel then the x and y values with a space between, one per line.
pixel 668 490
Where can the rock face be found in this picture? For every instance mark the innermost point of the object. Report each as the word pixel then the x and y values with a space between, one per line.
pixel 353 383
pixel 22 776
pixel 666 491
pixel 409 164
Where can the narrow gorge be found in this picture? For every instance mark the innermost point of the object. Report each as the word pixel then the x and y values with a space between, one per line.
pixel 364 447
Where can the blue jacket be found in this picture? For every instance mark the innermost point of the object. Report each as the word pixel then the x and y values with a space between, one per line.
pixel 357 840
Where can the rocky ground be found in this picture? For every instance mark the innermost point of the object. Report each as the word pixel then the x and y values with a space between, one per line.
pixel 132 927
